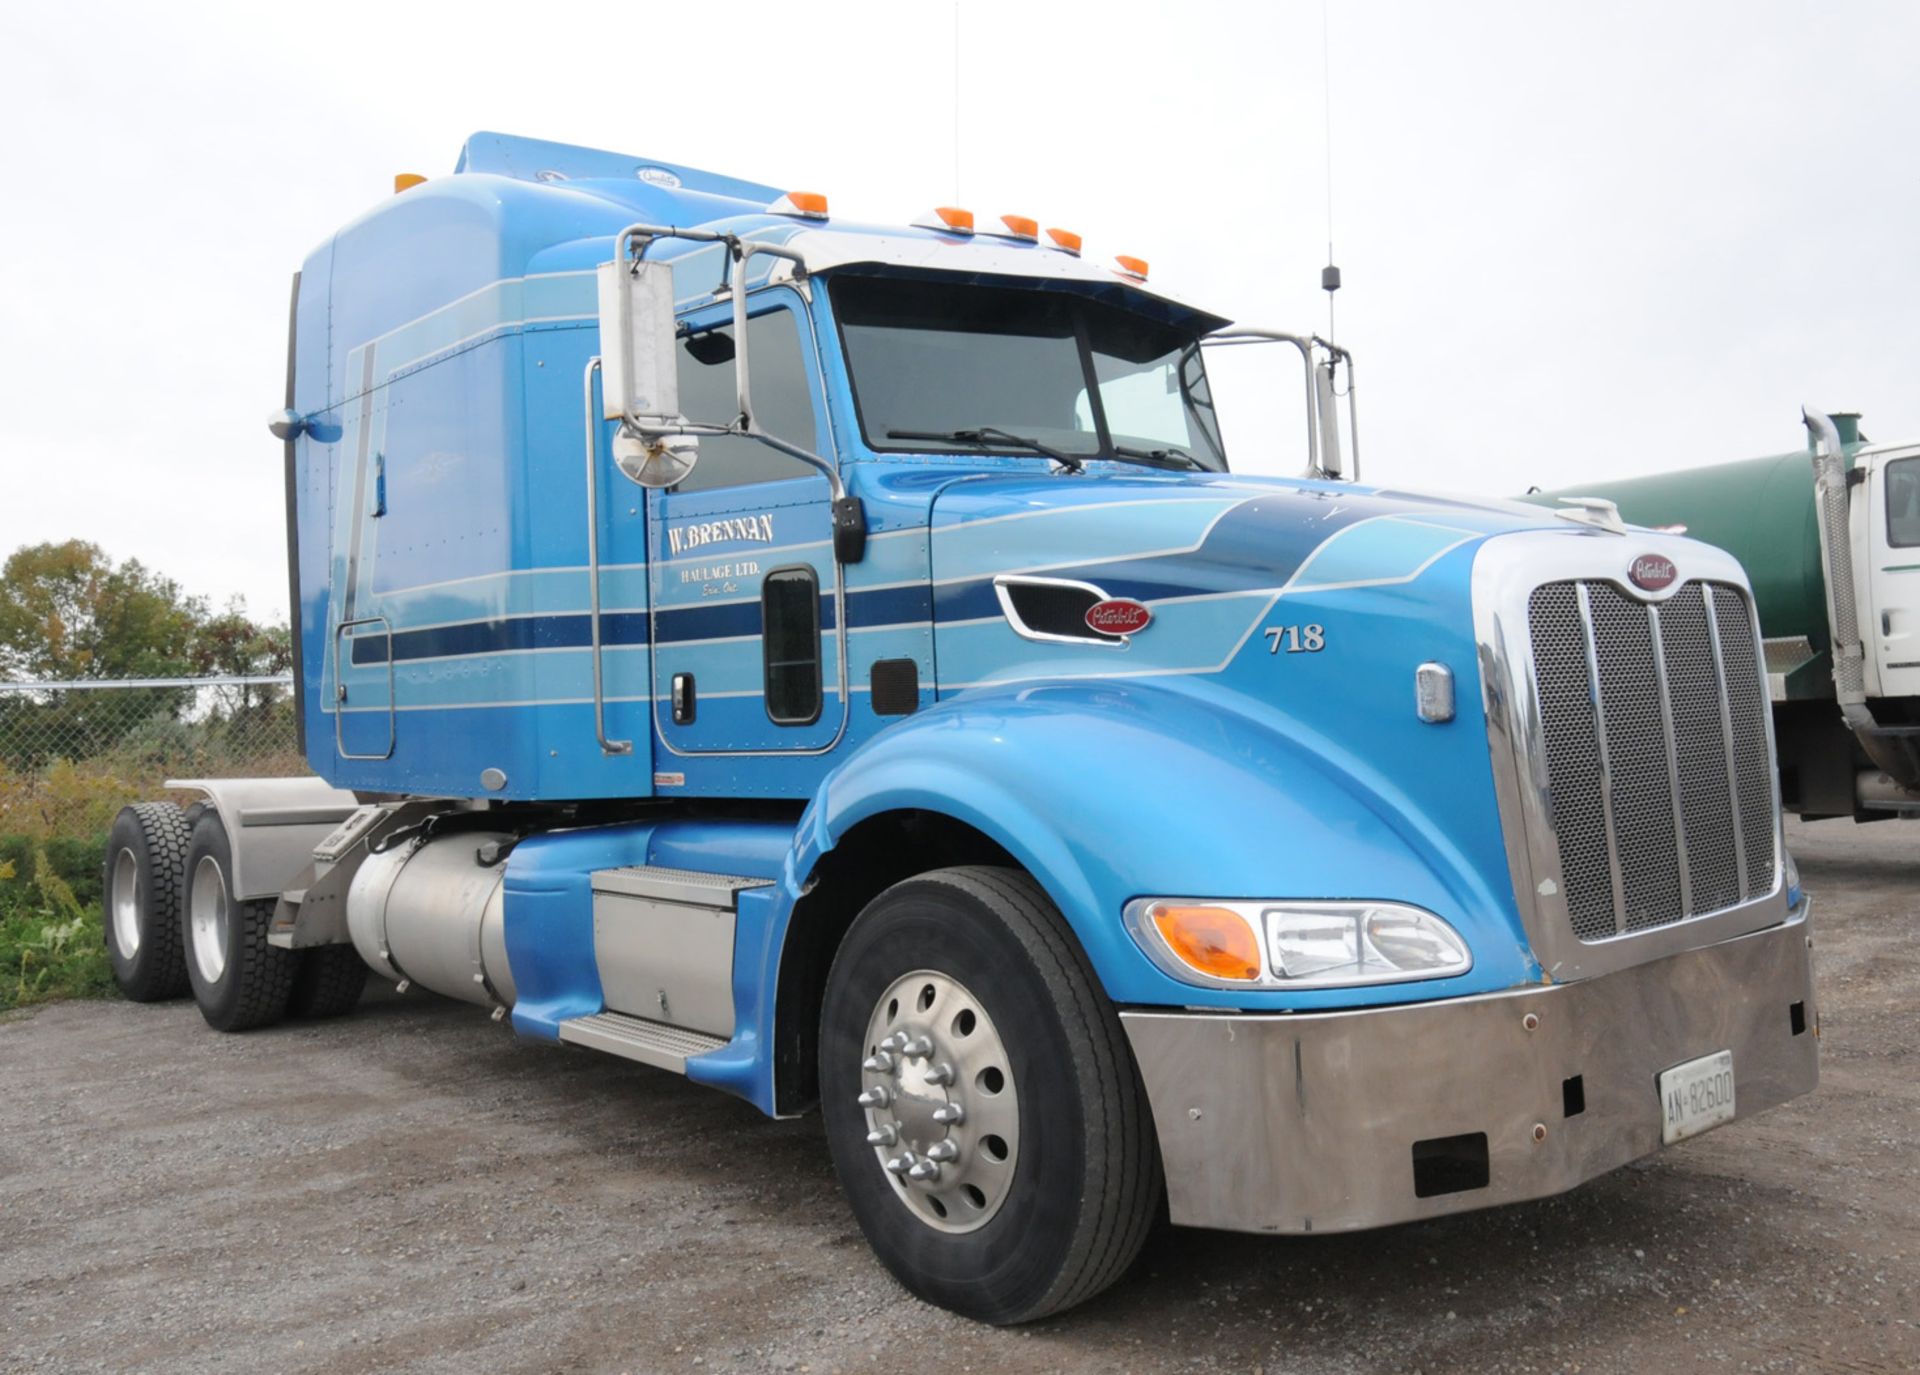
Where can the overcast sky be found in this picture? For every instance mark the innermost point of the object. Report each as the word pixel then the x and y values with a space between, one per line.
pixel 1578 241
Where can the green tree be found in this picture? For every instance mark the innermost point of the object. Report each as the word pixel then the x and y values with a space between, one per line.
pixel 69 612
pixel 231 645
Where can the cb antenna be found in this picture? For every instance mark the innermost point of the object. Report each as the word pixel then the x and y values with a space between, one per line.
pixel 1330 274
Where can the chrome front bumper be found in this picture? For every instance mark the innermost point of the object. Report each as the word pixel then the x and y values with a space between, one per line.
pixel 1313 1122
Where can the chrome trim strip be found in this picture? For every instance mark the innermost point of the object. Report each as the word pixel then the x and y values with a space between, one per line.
pixel 1726 737
pixel 1673 759
pixel 1617 878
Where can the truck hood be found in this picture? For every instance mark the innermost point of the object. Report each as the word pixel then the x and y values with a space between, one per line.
pixel 1209 556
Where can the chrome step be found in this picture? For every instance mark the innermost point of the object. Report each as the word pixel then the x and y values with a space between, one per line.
pixel 636 1038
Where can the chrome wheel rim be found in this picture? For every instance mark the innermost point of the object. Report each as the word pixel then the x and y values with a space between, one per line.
pixel 124 901
pixel 942 1115
pixel 207 918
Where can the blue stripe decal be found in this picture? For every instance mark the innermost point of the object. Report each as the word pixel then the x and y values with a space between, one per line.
pixel 502 636
pixel 884 606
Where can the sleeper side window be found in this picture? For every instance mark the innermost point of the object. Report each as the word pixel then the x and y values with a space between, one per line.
pixel 1903 503
pixel 790 642
pixel 782 400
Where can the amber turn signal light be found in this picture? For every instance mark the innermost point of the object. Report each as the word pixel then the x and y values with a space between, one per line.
pixel 1210 940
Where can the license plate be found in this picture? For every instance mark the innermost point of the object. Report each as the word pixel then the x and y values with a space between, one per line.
pixel 1696 1096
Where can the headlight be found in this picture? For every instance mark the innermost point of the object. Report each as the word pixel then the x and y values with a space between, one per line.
pixel 1792 877
pixel 1295 944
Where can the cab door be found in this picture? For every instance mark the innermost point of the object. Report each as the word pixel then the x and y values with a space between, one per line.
pixel 1893 573
pixel 748 642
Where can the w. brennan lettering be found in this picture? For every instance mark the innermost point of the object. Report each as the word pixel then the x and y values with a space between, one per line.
pixel 756 528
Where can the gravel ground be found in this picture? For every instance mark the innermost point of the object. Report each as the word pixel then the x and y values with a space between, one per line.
pixel 414 1189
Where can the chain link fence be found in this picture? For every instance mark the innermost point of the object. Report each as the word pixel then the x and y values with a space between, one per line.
pixel 71 754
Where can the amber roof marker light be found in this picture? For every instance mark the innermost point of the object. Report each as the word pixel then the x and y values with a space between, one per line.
pixel 808 205
pixel 948 219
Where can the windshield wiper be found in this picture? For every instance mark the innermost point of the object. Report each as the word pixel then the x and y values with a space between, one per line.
pixel 1168 457
pixel 985 436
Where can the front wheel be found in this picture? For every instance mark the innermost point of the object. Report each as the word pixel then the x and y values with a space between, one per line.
pixel 981 1105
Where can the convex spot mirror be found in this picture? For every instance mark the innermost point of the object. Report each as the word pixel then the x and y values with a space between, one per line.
pixel 657 460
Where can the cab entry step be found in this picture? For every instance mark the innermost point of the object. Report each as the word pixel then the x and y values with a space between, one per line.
pixel 636 1038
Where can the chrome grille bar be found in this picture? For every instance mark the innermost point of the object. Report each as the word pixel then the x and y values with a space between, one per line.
pixel 1664 691
pixel 1606 759
pixel 1726 731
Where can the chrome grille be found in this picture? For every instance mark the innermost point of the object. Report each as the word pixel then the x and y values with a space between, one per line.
pixel 1654 727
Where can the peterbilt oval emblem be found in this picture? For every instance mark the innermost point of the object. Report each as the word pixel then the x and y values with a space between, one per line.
pixel 1118 616
pixel 1653 573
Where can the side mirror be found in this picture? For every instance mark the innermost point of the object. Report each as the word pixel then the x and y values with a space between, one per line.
pixel 639 374
pixel 1328 407
pixel 654 460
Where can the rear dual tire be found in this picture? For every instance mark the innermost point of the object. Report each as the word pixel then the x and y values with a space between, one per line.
pixel 141 896
pixel 238 979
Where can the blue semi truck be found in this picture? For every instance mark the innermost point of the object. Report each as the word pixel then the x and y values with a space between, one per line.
pixel 838 664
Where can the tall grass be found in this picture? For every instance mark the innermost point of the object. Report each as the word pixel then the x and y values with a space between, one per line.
pixel 53 829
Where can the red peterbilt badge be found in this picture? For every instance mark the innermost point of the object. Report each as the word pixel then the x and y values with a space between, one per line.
pixel 1118 616
pixel 1653 573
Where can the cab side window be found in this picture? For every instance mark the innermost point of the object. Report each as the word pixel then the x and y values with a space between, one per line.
pixel 1903 503
pixel 782 401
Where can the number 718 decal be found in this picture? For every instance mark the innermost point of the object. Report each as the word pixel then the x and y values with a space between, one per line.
pixel 1299 639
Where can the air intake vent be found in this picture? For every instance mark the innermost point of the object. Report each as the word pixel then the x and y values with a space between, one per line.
pixel 1052 609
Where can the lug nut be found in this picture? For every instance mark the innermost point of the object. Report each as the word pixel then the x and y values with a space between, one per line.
pixel 943 1151
pixel 897 1041
pixel 878 1063
pixel 876 1097
pixel 919 1048
pixel 887 1135
pixel 924 1172
pixel 941 1073
pixel 952 1115
pixel 900 1164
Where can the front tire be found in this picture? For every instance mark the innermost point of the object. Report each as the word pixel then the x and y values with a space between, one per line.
pixel 140 898
pixel 963 990
pixel 239 981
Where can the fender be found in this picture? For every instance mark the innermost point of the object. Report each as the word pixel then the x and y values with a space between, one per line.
pixel 1110 790
pixel 272 825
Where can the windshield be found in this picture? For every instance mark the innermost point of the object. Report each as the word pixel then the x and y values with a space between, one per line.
pixel 935 359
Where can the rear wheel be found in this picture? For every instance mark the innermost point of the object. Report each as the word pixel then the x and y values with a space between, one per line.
pixel 239 981
pixel 981 1104
pixel 146 856
pixel 327 982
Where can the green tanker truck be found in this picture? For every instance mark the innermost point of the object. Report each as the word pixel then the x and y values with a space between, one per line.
pixel 1830 537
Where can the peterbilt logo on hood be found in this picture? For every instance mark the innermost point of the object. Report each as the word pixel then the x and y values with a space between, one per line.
pixel 1118 616
pixel 1653 573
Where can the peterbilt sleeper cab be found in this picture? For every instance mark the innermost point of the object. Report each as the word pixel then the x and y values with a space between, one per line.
pixel 840 665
